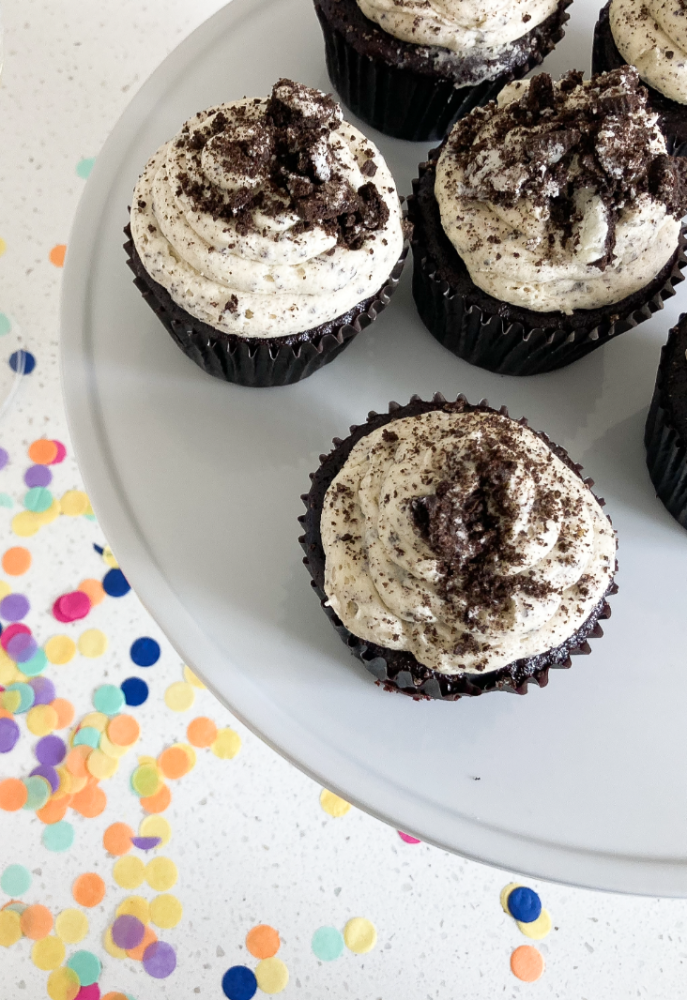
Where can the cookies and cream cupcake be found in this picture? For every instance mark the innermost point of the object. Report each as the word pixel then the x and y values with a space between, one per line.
pixel 651 36
pixel 411 68
pixel 266 234
pixel 457 551
pixel 548 223
pixel 666 427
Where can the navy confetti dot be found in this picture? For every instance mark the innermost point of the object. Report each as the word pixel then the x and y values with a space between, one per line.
pixel 135 691
pixel 23 359
pixel 524 904
pixel 145 651
pixel 239 983
pixel 115 583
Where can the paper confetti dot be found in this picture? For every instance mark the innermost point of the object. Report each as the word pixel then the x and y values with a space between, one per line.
pixel 93 590
pixel 21 647
pixel 407 839
pixel 96 720
pixel 86 965
pixel 22 361
pixel 5 324
pixel 360 935
pixel 135 906
pixel 36 475
pixel 138 952
pixel 71 926
pixel 60 649
pixel 159 960
pixel 15 880
pixel 50 750
pixel 48 953
pixel 333 804
pixel 100 765
pixel 161 874
pixel 88 889
pixel 123 730
pixel 524 904
pixel 57 254
pixel 262 941
pixel 84 167
pixel 146 780
pixel 526 963
pixel 38 792
pixel 91 992
pixel 16 561
pixel 87 736
pixel 43 451
pixel 145 843
pixel 44 693
pixel 49 773
pixel 115 584
pixel 58 836
pixel 74 503
pixel 110 947
pixel 129 872
pixel 71 607
pixel 179 696
pixel 191 678
pixel 537 929
pixel 174 762
pixel 36 665
pixel 38 500
pixel 92 643
pixel 127 931
pixel 159 802
pixel 145 651
pixel 327 944
pixel 109 699
pixel 41 720
pixel 36 922
pixel 117 839
pixel 13 794
pixel 166 911
pixel 272 975
pixel 14 607
pixel 135 691
pixel 9 734
pixel 63 984
pixel 201 732
pixel 10 928
pixel 227 744
pixel 65 712
pixel 239 983
pixel 156 826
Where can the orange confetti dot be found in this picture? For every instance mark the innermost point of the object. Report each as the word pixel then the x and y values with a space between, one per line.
pixel 262 941
pixel 57 255
pixel 65 712
pixel 117 839
pixel 159 802
pixel 13 794
pixel 88 889
pixel 43 451
pixel 6 714
pixel 114 996
pixel 201 732
pixel 36 922
pixel 94 589
pixel 90 802
pixel 16 560
pixel 174 762
pixel 54 810
pixel 526 963
pixel 149 937
pixel 75 761
pixel 123 730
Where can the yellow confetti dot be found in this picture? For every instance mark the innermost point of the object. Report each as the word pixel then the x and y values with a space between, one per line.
pixel 3 246
pixel 156 826
pixel 71 926
pixel 145 761
pixel 92 643
pixel 227 744
pixel 333 804
pixel 8 670
pixel 191 678
pixel 41 720
pixel 74 503
pixel 49 515
pixel 11 700
pixel 63 984
pixel 129 872
pixel 360 935
pixel 272 975
pixel 25 524
pixel 134 906
pixel 180 696
pixel 110 947
pixel 10 928
pixel 89 512
pixel 538 928
pixel 505 893
pixel 110 748
pixel 100 765
pixel 166 911
pixel 95 720
pixel 66 783
pixel 60 649
pixel 109 559
pixel 146 780
pixel 48 953
pixel 161 874
pixel 5 588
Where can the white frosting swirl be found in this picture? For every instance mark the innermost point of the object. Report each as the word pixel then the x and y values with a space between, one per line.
pixel 555 553
pixel 516 252
pixel 277 276
pixel 651 35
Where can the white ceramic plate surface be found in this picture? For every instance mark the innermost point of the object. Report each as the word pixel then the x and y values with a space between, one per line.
pixel 196 484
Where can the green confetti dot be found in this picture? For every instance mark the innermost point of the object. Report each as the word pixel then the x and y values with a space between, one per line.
pixel 87 736
pixel 36 665
pixel 6 500
pixel 5 324
pixel 327 944
pixel 26 695
pixel 15 880
pixel 58 836
pixel 84 166
pixel 109 699
pixel 38 499
pixel 86 965
pixel 39 791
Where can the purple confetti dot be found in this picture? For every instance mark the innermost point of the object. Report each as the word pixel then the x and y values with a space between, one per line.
pixel 49 773
pixel 44 690
pixel 21 647
pixel 50 750
pixel 14 607
pixel 128 931
pixel 9 734
pixel 159 959
pixel 38 475
pixel 146 843
pixel 4 458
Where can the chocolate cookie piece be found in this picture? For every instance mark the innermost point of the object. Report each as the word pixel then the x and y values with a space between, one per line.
pixel 665 436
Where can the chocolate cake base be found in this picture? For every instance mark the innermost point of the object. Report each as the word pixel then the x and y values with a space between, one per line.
pixel 665 436
pixel 418 92
pixel 673 116
pixel 499 336
pixel 400 670
pixel 256 361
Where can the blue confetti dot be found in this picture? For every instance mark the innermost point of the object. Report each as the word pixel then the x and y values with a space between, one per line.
pixel 135 691
pixel 145 651
pixel 22 359
pixel 524 905
pixel 98 548
pixel 239 983
pixel 115 583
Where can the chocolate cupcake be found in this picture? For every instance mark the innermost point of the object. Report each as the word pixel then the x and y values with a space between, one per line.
pixel 666 427
pixel 650 36
pixel 411 68
pixel 548 223
pixel 266 235
pixel 456 551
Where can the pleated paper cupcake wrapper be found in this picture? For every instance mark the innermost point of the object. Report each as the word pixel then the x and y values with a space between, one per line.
pixel 252 362
pixel 666 459
pixel 408 676
pixel 405 104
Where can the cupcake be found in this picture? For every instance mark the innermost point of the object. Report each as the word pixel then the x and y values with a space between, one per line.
pixel 548 223
pixel 651 37
pixel 411 68
pixel 265 235
pixel 666 427
pixel 456 551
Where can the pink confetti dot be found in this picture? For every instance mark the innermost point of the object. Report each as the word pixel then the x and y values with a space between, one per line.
pixel 71 607
pixel 91 992
pixel 407 839
pixel 61 453
pixel 11 631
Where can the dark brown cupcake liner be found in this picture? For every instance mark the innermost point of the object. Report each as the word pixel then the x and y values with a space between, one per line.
pixel 500 337
pixel 673 115
pixel 666 446
pixel 399 670
pixel 255 361
pixel 400 100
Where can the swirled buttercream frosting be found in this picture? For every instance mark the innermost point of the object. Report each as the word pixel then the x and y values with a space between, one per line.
pixel 561 196
pixel 462 538
pixel 268 217
pixel 651 35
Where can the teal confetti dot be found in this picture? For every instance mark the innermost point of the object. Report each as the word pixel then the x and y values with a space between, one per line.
pixel 27 695
pixel 39 791
pixel 87 736
pixel 36 665
pixel 327 944
pixel 58 836
pixel 6 500
pixel 84 167
pixel 108 699
pixel 15 880
pixel 5 324
pixel 38 499
pixel 86 965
